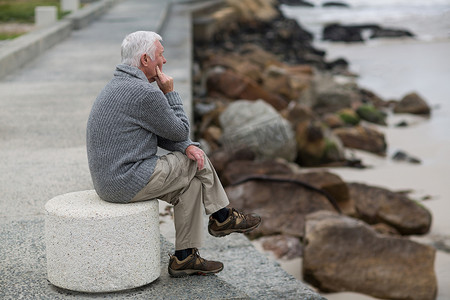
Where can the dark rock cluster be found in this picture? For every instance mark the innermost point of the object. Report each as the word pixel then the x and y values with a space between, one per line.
pixel 354 33
pixel 267 106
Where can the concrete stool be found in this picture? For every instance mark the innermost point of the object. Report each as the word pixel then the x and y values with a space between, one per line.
pixel 97 246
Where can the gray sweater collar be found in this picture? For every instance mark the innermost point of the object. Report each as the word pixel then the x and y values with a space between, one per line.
pixel 126 70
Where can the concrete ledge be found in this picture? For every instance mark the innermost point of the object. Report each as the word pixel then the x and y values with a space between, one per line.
pixel 18 52
pixel 85 16
pixel 21 50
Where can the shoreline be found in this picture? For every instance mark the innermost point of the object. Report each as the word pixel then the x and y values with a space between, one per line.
pixel 424 138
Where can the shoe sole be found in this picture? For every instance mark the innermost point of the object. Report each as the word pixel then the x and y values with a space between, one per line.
pixel 188 272
pixel 228 231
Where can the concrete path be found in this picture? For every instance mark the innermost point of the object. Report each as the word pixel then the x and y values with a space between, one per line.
pixel 43 112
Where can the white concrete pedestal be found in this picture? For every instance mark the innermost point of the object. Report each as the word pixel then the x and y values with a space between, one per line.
pixel 70 5
pixel 45 15
pixel 96 246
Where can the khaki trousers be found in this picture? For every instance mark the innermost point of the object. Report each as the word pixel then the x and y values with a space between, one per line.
pixel 177 181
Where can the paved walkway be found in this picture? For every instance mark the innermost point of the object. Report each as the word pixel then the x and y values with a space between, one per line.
pixel 43 112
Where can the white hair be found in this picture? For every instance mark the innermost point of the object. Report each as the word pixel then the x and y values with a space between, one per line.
pixel 136 44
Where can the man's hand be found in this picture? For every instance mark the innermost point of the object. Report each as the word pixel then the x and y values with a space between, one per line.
pixel 165 82
pixel 196 154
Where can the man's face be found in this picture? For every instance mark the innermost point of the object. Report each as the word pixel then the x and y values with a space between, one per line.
pixel 149 65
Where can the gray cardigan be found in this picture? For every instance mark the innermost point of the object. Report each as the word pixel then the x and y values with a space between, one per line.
pixel 129 119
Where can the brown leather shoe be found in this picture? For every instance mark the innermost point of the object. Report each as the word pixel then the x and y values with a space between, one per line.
pixel 193 265
pixel 236 222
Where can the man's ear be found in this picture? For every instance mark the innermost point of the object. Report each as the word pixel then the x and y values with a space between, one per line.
pixel 144 59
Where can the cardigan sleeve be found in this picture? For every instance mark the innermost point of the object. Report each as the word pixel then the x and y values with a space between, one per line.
pixel 164 116
pixel 175 146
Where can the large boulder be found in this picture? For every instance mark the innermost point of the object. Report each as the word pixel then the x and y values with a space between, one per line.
pixel 412 104
pixel 331 184
pixel 239 170
pixel 363 138
pixel 258 127
pixel 345 254
pixel 378 205
pixel 282 205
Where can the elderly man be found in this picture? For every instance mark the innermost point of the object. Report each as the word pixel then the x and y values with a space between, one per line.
pixel 129 120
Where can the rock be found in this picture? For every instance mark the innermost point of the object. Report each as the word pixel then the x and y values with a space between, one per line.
pixel 288 81
pixel 335 4
pixel 378 205
pixel 354 33
pixel 402 123
pixel 235 86
pixel 345 254
pixel 296 3
pixel 222 157
pixel 390 33
pixel 370 114
pixel 385 229
pixel 282 205
pixel 412 104
pixel 211 118
pixel 283 246
pixel 258 127
pixel 239 170
pixel 333 185
pixel 296 113
pixel 212 136
pixel 236 62
pixel 255 54
pixel 363 138
pixel 331 96
pixel 253 10
pixel 403 156
pixel 345 33
pixel 349 116
pixel 317 145
pixel 277 80
pixel 370 98
pixel 339 65
pixel 333 120
pixel 291 43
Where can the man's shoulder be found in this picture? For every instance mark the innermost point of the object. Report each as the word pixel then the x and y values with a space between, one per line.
pixel 133 82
